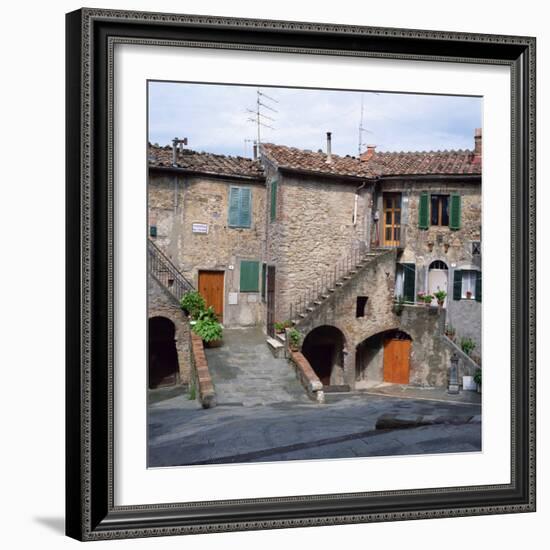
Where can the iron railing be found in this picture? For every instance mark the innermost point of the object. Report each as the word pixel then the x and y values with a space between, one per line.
pixel 166 273
pixel 329 281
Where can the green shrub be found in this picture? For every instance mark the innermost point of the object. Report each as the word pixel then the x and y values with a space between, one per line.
pixel 467 345
pixel 440 295
pixel 295 338
pixel 208 329
pixel 207 314
pixel 280 327
pixel 193 303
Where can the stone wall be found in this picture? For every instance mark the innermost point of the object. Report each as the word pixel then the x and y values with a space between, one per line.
pixel 454 247
pixel 175 203
pixel 161 304
pixel 429 356
pixel 313 229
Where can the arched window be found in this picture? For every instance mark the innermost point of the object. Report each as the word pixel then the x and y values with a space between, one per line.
pixel 438 264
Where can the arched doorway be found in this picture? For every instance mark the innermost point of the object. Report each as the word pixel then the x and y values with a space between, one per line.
pixel 383 357
pixel 323 347
pixel 163 356
pixel 438 276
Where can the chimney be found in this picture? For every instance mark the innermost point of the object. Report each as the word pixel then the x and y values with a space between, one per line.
pixel 177 144
pixel 329 147
pixel 477 145
pixel 255 150
pixel 369 153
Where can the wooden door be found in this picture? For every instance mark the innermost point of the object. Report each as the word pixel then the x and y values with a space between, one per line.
pixel 271 300
pixel 211 289
pixel 392 219
pixel 397 354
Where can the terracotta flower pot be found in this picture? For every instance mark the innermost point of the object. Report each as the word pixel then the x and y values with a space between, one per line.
pixel 213 343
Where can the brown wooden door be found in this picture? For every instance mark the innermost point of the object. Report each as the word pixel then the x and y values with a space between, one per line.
pixel 396 360
pixel 271 300
pixel 392 219
pixel 211 289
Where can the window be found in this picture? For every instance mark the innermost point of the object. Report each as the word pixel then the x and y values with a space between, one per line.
pixel 153 230
pixel 250 275
pixel 405 275
pixel 240 206
pixel 361 305
pixel 467 285
pixel 476 248
pixel 440 210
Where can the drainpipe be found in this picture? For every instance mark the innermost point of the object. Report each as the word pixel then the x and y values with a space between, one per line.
pixel 362 186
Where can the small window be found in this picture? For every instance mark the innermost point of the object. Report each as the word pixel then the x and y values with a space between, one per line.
pixel 468 284
pixel 476 248
pixel 440 210
pixel 153 230
pixel 361 306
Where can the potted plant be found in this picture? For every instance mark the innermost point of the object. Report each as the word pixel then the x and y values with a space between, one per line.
pixel 281 326
pixel 477 379
pixel 210 330
pixel 294 339
pixel 450 332
pixel 428 299
pixel 440 296
pixel 193 304
pixel 469 294
pixel 467 345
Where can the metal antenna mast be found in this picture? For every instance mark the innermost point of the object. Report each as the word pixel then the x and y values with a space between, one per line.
pixel 362 128
pixel 260 117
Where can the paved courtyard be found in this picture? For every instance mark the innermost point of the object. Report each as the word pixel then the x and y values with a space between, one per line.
pixel 253 424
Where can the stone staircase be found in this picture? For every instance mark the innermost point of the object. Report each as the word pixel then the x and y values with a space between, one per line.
pixel 344 271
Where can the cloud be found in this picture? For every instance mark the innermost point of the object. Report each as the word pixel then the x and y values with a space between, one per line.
pixel 214 118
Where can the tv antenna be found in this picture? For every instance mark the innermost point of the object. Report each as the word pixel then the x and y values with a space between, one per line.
pixel 259 117
pixel 362 129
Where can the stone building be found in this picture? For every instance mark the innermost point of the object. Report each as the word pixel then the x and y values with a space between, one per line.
pixel 330 243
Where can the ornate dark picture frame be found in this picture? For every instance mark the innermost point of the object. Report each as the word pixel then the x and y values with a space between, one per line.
pixel 91 513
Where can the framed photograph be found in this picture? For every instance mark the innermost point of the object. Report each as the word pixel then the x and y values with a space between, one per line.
pixel 300 274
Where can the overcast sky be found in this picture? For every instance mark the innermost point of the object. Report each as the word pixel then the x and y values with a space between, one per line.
pixel 214 118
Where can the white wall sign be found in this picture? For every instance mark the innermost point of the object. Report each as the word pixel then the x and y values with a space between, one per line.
pixel 200 228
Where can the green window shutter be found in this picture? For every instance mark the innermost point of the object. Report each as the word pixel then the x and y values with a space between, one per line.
pixel 409 282
pixel 424 211
pixel 273 199
pixel 244 214
pixel 234 204
pixel 457 285
pixel 264 279
pixel 478 286
pixel 250 272
pixel 454 218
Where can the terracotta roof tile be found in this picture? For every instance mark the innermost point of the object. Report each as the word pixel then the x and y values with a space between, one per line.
pixel 206 163
pixel 301 159
pixel 459 162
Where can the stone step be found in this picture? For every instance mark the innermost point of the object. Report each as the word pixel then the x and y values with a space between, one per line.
pixel 317 303
pixel 276 347
pixel 281 337
pixel 310 309
pixel 339 283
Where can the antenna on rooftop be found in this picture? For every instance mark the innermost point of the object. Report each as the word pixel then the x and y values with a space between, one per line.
pixel 258 116
pixel 362 128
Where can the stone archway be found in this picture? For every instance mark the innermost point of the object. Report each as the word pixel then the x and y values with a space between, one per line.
pixel 163 354
pixel 324 348
pixel 383 357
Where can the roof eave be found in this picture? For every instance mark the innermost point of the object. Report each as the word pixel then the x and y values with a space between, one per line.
pixel 189 172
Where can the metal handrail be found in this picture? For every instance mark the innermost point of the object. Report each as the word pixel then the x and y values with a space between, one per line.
pixel 166 273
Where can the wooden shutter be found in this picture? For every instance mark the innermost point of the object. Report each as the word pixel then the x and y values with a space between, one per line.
pixel 409 271
pixel 424 211
pixel 244 213
pixel 454 218
pixel 457 284
pixel 250 271
pixel 273 199
pixel 478 286
pixel 264 277
pixel 234 206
